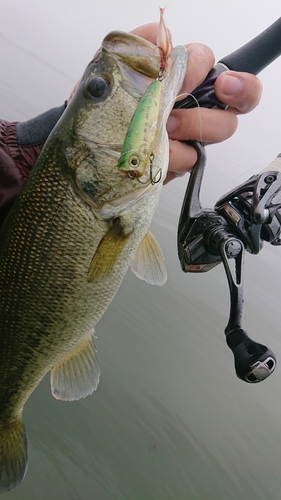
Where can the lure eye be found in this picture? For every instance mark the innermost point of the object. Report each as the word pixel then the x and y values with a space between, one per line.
pixel 134 161
pixel 97 86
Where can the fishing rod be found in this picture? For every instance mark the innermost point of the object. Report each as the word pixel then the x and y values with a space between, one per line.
pixel 241 220
pixel 252 57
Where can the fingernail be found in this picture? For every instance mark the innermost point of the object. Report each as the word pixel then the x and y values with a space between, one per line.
pixel 231 85
pixel 172 123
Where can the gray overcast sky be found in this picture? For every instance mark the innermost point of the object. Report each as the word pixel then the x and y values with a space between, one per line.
pixel 55 39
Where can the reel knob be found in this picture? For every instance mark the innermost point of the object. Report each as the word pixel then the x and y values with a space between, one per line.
pixel 253 362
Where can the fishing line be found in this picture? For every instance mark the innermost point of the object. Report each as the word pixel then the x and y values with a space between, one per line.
pixel 155 179
pixel 254 152
pixel 261 146
pixel 183 95
pixel 186 94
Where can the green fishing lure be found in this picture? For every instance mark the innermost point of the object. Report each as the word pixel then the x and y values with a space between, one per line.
pixel 137 150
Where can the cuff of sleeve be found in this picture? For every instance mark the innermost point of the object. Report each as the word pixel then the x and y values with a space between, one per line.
pixel 37 130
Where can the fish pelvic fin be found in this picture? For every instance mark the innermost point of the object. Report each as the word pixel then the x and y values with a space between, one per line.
pixel 148 261
pixel 77 375
pixel 108 251
pixel 13 454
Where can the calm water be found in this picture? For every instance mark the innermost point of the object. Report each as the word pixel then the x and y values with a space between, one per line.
pixel 169 420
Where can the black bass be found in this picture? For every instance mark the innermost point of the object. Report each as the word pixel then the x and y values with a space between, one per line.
pixel 80 221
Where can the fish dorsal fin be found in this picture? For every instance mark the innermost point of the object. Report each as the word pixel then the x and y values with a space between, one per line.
pixel 77 375
pixel 148 262
pixel 107 253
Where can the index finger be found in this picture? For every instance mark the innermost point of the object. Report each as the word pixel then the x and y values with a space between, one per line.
pixel 147 31
pixel 200 61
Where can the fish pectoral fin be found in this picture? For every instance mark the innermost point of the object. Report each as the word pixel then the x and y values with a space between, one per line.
pixel 148 261
pixel 13 454
pixel 77 375
pixel 107 253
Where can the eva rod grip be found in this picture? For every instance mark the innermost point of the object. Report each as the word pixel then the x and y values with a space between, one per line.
pixel 252 57
pixel 255 55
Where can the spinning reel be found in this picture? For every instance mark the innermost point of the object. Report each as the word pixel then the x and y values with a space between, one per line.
pixel 241 220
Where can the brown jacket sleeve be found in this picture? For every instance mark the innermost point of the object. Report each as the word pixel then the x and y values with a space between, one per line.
pixel 20 146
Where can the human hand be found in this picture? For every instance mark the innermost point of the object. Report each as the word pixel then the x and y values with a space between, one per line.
pixel 240 91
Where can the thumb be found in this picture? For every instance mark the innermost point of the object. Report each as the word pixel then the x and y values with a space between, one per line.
pixel 241 91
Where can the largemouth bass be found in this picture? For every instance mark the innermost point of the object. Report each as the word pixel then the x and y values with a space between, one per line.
pixel 79 222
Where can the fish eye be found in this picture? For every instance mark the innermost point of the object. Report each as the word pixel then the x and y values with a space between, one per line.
pixel 134 161
pixel 97 86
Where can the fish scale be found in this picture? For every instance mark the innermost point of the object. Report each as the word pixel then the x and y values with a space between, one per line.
pixel 72 234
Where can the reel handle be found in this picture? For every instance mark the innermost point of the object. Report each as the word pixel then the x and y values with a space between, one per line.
pixel 253 362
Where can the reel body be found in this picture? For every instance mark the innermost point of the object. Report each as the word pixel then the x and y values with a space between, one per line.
pixel 241 221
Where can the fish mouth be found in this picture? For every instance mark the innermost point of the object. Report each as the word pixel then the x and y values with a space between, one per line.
pixel 137 53
pixel 137 59
pixel 141 162
pixel 143 57
pixel 130 64
pixel 150 177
